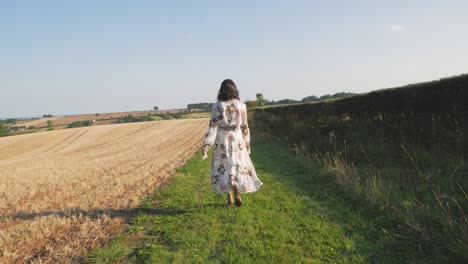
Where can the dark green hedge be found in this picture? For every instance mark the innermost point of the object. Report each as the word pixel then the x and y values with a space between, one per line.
pixel 131 119
pixel 80 124
pixel 449 95
pixel 431 116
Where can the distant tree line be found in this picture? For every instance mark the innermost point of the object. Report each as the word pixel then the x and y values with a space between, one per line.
pixel 311 98
pixel 46 115
pixel 80 124
pixel 3 129
pixel 8 125
pixel 131 119
pixel 206 106
pixel 9 120
pixel 262 102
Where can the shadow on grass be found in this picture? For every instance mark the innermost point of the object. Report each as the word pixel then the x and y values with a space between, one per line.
pixel 121 213
pixel 369 227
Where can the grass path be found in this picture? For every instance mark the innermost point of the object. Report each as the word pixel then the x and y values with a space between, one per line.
pixel 298 216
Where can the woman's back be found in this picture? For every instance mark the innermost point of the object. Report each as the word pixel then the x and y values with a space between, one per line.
pixel 230 113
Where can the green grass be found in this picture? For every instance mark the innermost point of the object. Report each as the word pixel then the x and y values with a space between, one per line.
pixel 300 215
pixel 196 115
pixel 29 131
pixel 156 118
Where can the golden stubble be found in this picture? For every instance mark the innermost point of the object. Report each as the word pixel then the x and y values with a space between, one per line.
pixel 65 192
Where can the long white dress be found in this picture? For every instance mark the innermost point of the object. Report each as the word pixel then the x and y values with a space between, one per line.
pixel 228 133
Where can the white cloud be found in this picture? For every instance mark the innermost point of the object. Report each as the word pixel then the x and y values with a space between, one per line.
pixel 396 28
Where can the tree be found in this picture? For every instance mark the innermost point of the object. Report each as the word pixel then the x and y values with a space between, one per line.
pixel 206 106
pixel 10 121
pixel 342 94
pixel 50 124
pixel 286 101
pixel 260 100
pixel 3 129
pixel 80 123
pixel 251 104
pixel 311 98
pixel 155 108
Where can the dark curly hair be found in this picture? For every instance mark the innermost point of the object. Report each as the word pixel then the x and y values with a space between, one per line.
pixel 228 91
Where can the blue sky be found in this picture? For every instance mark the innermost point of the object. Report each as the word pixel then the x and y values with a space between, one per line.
pixel 69 57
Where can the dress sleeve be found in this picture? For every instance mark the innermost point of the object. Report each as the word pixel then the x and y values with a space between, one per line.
pixel 245 125
pixel 212 128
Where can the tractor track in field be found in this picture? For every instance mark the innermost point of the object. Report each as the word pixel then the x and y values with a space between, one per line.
pixel 80 132
pixel 112 142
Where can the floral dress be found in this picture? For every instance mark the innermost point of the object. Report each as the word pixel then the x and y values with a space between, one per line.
pixel 228 134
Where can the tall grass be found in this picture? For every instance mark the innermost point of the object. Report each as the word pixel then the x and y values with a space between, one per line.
pixel 408 168
pixel 423 199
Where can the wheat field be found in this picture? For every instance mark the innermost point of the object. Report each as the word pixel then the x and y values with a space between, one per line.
pixel 68 191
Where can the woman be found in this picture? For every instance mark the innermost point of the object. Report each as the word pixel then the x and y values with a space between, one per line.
pixel 232 171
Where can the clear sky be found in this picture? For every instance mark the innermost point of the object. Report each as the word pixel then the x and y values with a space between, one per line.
pixel 69 57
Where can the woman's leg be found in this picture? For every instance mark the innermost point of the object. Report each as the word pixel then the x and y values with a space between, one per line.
pixel 229 198
pixel 238 197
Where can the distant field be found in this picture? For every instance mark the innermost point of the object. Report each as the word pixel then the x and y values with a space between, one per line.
pixel 41 122
pixel 68 191
pixel 105 117
pixel 196 115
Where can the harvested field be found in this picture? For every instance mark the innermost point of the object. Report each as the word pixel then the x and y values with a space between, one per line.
pixel 63 121
pixel 105 122
pixel 65 192
pixel 41 122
